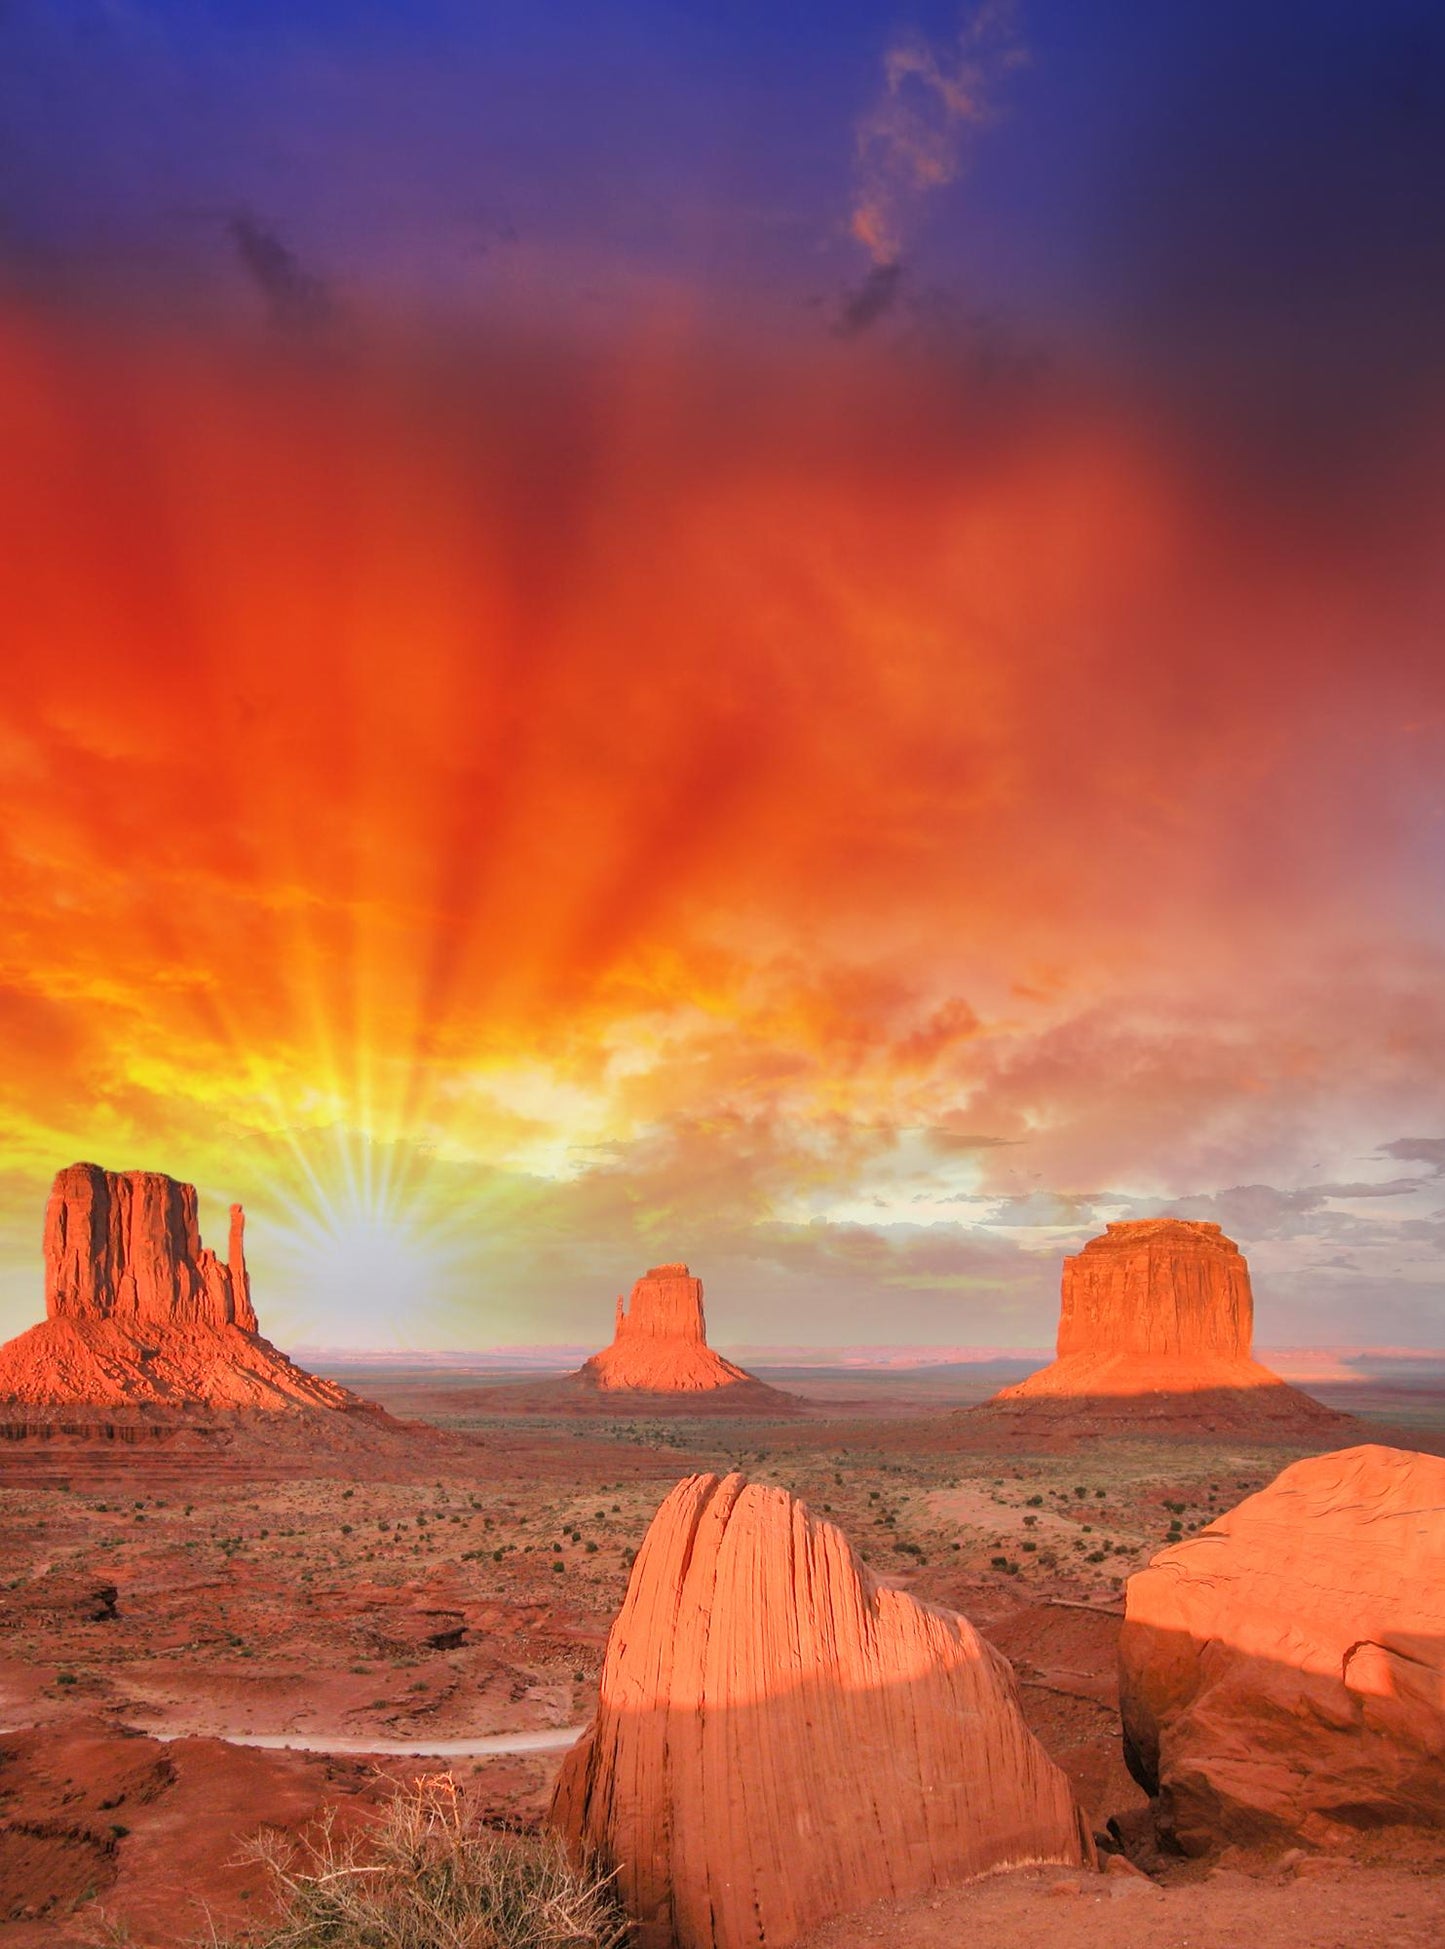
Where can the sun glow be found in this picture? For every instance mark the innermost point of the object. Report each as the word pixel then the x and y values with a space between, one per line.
pixel 373 1270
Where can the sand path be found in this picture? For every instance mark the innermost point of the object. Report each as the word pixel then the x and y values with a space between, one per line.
pixel 550 1739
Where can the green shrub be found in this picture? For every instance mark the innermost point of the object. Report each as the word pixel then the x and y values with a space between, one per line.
pixel 426 1874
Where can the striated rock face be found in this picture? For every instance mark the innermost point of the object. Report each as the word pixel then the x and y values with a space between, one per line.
pixel 666 1304
pixel 1158 1286
pixel 781 1739
pixel 1283 1672
pixel 1155 1327
pixel 138 1310
pixel 124 1246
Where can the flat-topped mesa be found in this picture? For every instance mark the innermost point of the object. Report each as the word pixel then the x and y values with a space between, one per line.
pixel 660 1345
pixel 1155 1325
pixel 140 1314
pixel 125 1246
pixel 1158 1286
pixel 780 1738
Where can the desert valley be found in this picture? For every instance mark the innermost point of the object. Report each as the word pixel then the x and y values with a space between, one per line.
pixel 1145 1648
pixel 722 975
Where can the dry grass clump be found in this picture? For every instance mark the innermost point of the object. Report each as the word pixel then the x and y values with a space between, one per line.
pixel 425 1874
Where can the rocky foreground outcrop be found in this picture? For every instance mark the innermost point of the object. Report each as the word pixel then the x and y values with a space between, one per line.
pixel 781 1739
pixel 139 1311
pixel 1156 1325
pixel 1282 1673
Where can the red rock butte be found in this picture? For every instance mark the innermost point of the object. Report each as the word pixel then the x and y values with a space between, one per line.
pixel 659 1362
pixel 660 1345
pixel 780 1738
pixel 1156 1327
pixel 1282 1673
pixel 138 1311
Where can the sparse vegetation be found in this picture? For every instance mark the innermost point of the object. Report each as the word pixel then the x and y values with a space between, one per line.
pixel 425 1874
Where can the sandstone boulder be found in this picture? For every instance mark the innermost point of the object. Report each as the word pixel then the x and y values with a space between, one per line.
pixel 1282 1673
pixel 780 1738
pixel 1156 1324
pixel 139 1311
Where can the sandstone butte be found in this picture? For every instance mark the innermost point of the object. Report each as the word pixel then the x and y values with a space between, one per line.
pixel 1156 1326
pixel 659 1344
pixel 659 1362
pixel 1282 1673
pixel 138 1311
pixel 780 1738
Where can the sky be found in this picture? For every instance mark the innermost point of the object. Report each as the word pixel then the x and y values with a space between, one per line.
pixel 802 637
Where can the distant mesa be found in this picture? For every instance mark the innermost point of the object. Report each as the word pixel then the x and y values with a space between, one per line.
pixel 780 1738
pixel 659 1362
pixel 1282 1673
pixel 139 1312
pixel 1155 1330
pixel 659 1345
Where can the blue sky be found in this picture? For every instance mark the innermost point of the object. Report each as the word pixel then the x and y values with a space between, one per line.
pixel 1188 184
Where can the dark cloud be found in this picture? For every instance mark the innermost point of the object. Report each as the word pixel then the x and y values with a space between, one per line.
pixel 873 299
pixel 1418 1150
pixel 1256 1211
pixel 982 346
pixel 1394 1188
pixel 1053 1209
pixel 489 230
pixel 297 299
pixel 953 1142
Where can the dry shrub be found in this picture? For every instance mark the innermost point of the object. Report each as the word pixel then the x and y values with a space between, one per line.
pixel 425 1874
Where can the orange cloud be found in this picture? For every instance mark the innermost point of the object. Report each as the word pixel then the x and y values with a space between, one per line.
pixel 563 763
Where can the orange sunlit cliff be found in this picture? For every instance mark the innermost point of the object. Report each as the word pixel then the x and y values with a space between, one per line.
pixel 139 1312
pixel 1156 1329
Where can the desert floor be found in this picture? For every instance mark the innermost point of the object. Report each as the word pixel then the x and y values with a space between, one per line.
pixel 453 1579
